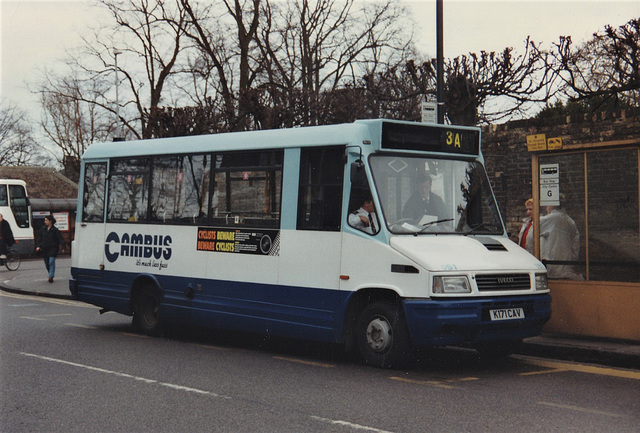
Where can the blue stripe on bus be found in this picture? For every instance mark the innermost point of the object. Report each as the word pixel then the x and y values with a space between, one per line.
pixel 310 313
pixel 441 322
pixel 300 312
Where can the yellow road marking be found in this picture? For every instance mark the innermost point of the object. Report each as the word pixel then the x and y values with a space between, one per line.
pixel 77 325
pixel 582 368
pixel 131 334
pixel 209 346
pixel 43 316
pixel 301 361
pixel 48 300
pixel 445 384
pixel 580 409
pixel 554 370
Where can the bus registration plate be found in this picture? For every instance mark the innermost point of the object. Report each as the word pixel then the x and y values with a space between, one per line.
pixel 507 314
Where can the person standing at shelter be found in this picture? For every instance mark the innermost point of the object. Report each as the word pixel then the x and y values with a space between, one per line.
pixel 525 238
pixel 559 241
pixel 6 237
pixel 50 241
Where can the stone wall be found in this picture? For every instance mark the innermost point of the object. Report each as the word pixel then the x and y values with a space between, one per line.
pixel 509 163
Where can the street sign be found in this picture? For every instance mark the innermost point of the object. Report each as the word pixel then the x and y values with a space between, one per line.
pixel 554 143
pixel 429 112
pixel 536 142
pixel 549 184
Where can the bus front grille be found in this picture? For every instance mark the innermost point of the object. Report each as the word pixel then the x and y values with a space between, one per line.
pixel 490 283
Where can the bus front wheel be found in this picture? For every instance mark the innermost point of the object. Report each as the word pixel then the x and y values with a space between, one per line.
pixel 146 312
pixel 382 336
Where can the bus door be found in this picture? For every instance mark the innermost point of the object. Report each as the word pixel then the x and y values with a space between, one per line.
pixel 92 219
pixel 311 241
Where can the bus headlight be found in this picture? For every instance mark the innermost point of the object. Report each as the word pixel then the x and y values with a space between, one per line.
pixel 454 284
pixel 541 282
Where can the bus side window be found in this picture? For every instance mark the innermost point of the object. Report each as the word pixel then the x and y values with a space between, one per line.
pixel 247 189
pixel 320 194
pixel 4 198
pixel 179 189
pixel 129 190
pixel 93 192
pixel 19 205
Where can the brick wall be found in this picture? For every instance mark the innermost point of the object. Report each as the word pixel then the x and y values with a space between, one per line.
pixel 509 163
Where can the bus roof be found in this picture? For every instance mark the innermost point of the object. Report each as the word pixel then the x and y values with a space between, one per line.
pixel 311 136
pixel 13 182
pixel 359 132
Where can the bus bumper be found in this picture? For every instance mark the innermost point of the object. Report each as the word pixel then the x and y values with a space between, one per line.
pixel 437 322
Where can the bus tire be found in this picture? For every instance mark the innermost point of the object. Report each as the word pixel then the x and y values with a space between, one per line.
pixel 146 312
pixel 382 336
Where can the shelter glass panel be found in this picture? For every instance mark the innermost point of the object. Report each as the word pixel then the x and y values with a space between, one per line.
pixel 614 242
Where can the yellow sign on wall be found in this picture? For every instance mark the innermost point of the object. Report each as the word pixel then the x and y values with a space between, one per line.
pixel 554 143
pixel 536 143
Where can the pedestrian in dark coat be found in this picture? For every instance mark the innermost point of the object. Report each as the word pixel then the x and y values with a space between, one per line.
pixel 6 237
pixel 49 242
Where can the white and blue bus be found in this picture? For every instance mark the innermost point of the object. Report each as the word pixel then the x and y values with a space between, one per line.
pixel 16 210
pixel 263 231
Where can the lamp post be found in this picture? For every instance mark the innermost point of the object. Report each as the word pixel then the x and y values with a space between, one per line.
pixel 118 132
pixel 440 61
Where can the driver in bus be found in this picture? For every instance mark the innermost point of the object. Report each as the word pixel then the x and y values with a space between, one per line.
pixel 6 237
pixel 423 204
pixel 364 218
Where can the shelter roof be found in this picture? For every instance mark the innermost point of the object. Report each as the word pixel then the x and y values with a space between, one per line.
pixel 42 182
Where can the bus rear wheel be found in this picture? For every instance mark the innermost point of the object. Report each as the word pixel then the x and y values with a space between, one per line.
pixel 146 312
pixel 382 336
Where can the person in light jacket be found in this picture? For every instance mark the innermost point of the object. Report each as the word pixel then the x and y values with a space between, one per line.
pixel 559 240
pixel 50 241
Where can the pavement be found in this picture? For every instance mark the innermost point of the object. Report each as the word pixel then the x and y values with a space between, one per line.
pixel 32 279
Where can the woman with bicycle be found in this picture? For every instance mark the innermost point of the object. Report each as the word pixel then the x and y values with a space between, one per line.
pixel 6 237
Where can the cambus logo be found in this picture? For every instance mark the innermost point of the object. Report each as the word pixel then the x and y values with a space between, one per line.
pixel 137 245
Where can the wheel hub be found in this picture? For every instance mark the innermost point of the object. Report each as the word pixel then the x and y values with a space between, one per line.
pixel 379 335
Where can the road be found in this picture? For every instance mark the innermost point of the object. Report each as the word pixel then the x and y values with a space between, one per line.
pixel 66 368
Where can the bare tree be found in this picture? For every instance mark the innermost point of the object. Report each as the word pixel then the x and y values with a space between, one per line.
pixel 321 49
pixel 274 64
pixel 474 81
pixel 71 121
pixel 148 35
pixel 397 91
pixel 607 66
pixel 17 144
pixel 226 42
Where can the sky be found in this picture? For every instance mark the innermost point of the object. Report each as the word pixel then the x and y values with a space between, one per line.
pixel 35 33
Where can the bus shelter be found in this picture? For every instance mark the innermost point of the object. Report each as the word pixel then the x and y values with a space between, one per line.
pixel 587 215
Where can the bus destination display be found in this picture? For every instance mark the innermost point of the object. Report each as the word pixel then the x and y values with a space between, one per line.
pixel 430 138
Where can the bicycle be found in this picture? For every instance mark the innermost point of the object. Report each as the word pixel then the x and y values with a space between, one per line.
pixel 12 262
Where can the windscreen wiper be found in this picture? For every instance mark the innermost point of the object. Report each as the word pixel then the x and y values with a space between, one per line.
pixel 429 224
